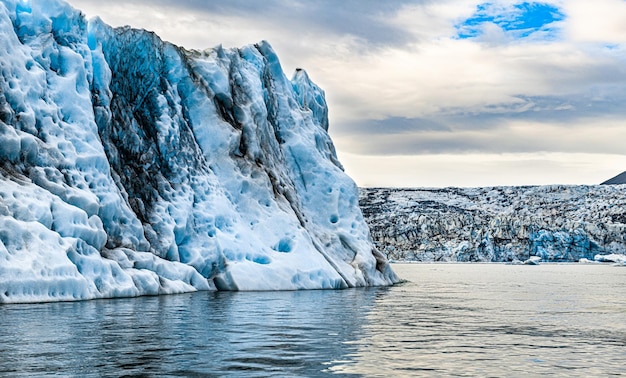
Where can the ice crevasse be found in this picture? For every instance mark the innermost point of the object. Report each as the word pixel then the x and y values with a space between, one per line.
pixel 130 166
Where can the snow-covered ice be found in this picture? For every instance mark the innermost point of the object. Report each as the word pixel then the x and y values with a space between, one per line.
pixel 131 166
pixel 616 258
pixel 533 260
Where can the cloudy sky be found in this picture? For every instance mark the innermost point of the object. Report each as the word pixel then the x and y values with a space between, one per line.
pixel 436 93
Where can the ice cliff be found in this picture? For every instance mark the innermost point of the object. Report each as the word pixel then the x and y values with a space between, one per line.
pixel 130 166
pixel 498 224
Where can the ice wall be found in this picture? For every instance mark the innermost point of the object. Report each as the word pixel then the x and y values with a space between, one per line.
pixel 130 166
pixel 497 224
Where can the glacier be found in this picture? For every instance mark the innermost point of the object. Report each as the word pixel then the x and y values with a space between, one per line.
pixel 130 166
pixel 554 223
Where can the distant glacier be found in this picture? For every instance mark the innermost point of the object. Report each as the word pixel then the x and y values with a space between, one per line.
pixel 498 224
pixel 130 166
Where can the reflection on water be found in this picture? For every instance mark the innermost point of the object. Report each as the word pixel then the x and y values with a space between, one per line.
pixel 202 334
pixel 476 320
pixel 497 320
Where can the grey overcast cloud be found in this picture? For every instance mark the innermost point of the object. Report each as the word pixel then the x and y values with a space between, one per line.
pixel 436 93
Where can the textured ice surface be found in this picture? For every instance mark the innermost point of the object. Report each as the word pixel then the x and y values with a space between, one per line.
pixel 556 223
pixel 130 166
pixel 616 258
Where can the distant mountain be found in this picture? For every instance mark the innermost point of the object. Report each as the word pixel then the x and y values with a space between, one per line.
pixel 617 180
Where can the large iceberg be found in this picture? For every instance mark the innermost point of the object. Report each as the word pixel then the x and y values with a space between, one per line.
pixel 130 166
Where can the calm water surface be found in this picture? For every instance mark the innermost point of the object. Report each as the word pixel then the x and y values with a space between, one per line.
pixel 449 320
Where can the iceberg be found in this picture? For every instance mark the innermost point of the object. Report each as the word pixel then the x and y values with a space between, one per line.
pixel 533 260
pixel 130 166
pixel 618 259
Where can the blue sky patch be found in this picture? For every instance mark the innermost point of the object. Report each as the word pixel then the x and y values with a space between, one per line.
pixel 521 20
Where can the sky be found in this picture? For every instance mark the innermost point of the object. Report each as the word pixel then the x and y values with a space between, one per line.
pixel 435 93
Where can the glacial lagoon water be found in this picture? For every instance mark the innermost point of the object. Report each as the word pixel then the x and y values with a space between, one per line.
pixel 448 320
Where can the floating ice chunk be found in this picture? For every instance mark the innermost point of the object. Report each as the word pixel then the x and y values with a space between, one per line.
pixel 586 261
pixel 533 260
pixel 611 258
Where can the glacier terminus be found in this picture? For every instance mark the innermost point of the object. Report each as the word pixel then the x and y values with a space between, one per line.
pixel 130 166
pixel 551 223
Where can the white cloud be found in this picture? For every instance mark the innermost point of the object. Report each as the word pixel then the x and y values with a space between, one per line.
pixel 450 73
pixel 601 136
pixel 601 21
pixel 433 20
